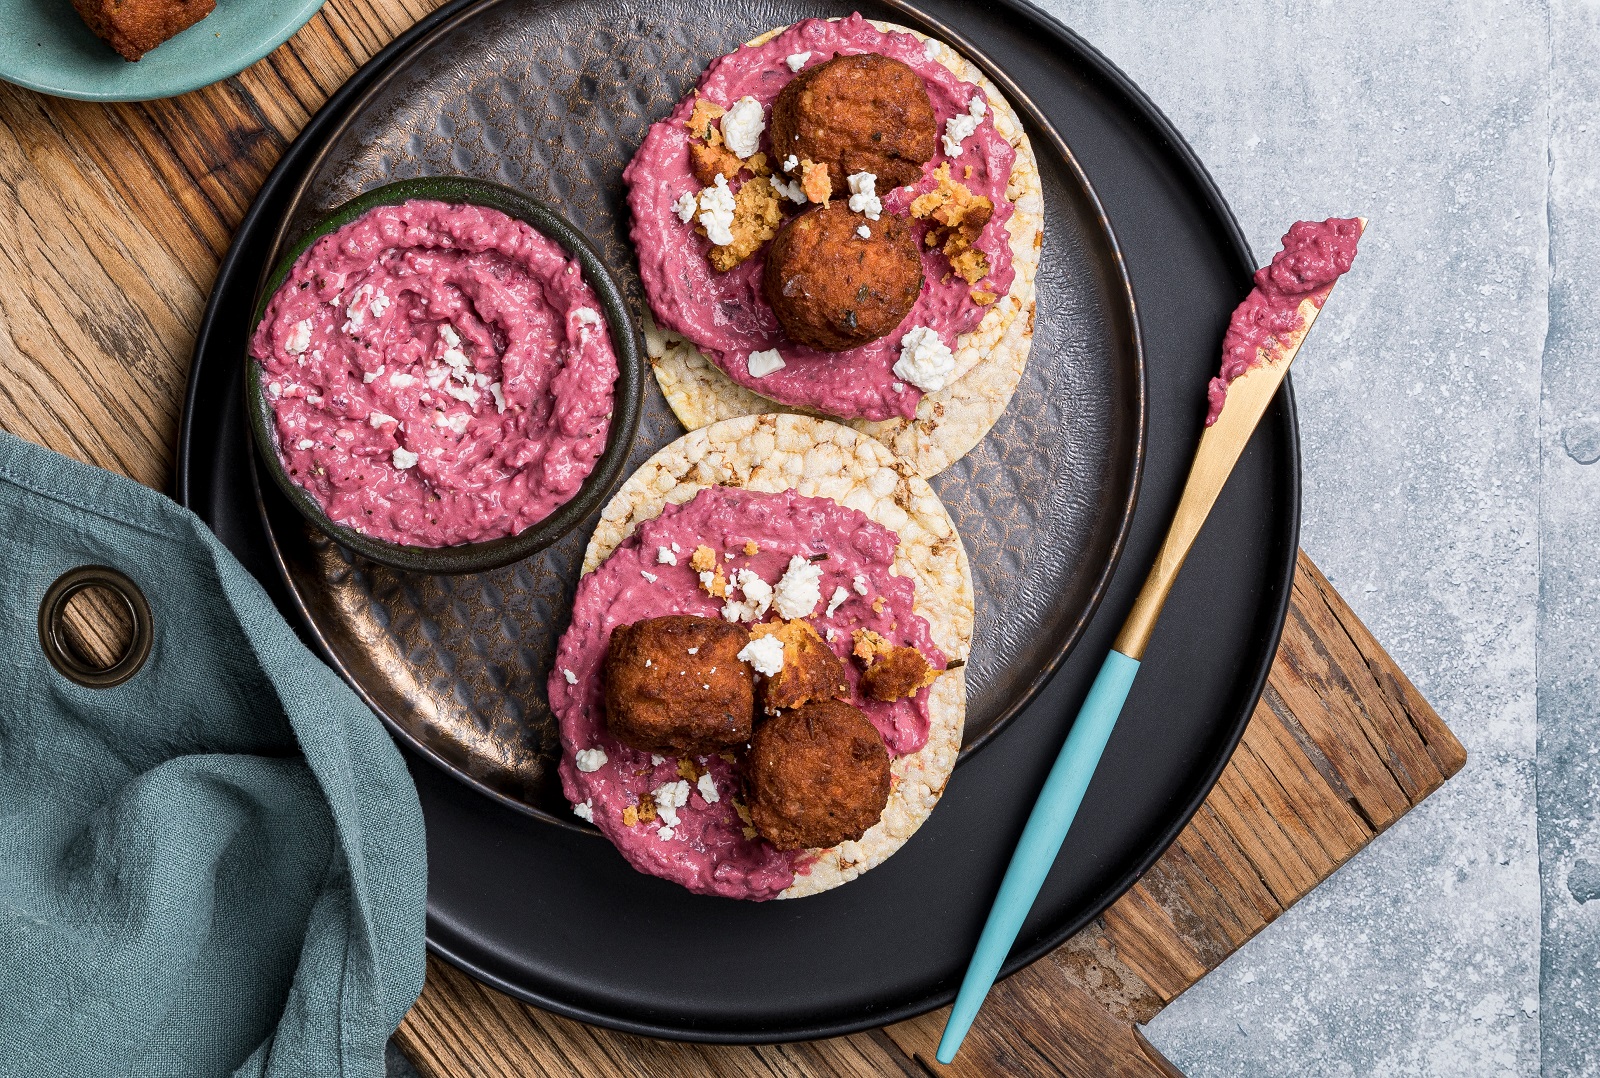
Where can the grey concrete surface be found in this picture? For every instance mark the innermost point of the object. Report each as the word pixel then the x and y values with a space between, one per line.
pixel 1450 408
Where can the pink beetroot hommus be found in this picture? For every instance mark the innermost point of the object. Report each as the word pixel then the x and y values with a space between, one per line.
pixel 710 849
pixel 438 374
pixel 1315 254
pixel 725 315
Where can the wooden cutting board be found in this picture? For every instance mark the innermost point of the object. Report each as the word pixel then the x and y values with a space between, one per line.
pixel 115 219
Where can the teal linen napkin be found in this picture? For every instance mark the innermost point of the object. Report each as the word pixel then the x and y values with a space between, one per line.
pixel 216 867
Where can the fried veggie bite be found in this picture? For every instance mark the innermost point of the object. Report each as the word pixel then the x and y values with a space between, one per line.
pixel 134 27
pixel 865 113
pixel 811 671
pixel 834 289
pixel 675 685
pixel 816 776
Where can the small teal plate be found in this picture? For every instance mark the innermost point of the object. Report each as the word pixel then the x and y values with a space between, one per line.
pixel 46 47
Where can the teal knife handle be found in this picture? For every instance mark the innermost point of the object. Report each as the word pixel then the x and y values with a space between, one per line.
pixel 1041 840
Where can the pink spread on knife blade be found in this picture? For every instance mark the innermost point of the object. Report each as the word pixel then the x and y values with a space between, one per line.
pixel 1315 254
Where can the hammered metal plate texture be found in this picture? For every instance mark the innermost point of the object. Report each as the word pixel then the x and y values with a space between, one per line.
pixel 553 98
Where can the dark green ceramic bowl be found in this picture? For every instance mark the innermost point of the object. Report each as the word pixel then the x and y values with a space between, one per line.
pixel 469 557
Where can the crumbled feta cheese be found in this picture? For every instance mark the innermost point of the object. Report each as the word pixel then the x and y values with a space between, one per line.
pixel 448 334
pixel 306 443
pixel 791 163
pixel 694 651
pixel 864 194
pixel 584 811
pixel 676 549
pixel 372 376
pixel 708 789
pixel 764 363
pixel 299 338
pixel 499 396
pixel 656 761
pixel 313 398
pixel 379 304
pixel 898 387
pixel 378 419
pixel 799 590
pixel 590 759
pixel 836 601
pixel 665 556
pixel 864 232
pixel 742 126
pixel 796 60
pixel 669 798
pixel 685 206
pixel 404 458
pixel 930 48
pixel 789 189
pixel 830 634
pixel 587 316
pixel 925 361
pixel 860 584
pixel 756 590
pixel 355 316
pixel 276 390
pixel 465 394
pixel 716 212
pixel 457 424
pixel 765 653
pixel 400 380
pixel 959 128
pixel 666 833
pixel 572 679
pixel 648 576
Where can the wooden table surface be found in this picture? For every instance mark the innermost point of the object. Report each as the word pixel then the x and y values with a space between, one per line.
pixel 114 224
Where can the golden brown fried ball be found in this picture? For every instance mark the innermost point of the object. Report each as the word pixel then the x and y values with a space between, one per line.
pixel 816 776
pixel 834 290
pixel 134 27
pixel 864 113
pixel 811 671
pixel 661 698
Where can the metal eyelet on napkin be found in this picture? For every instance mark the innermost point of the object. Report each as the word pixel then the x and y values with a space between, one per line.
pixel 52 627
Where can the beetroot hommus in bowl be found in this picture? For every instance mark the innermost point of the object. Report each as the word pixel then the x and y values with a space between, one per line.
pixel 436 379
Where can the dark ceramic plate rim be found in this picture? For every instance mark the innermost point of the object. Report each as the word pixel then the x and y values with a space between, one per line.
pixel 1134 401
pixel 597 485
pixel 1283 429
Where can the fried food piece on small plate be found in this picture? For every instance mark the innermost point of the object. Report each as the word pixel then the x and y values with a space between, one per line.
pixel 134 27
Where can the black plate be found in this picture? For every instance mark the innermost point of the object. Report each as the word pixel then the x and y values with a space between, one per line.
pixel 516 904
pixel 515 92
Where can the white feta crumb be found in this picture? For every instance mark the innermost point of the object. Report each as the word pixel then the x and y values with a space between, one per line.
pixel 590 759
pixel 665 556
pixel 457 424
pixel 372 376
pixel 313 398
pixel 276 390
pixel 404 458
pixel 647 666
pixel 666 833
pixel 648 576
pixel 864 232
pixel 757 592
pixel 694 651
pixel 378 419
pixel 355 315
pixel 765 653
pixel 587 316
pixel 959 128
pixel 864 195
pixel 584 811
pixel 789 189
pixel 572 679
pixel 764 363
pixel 930 48
pixel 708 789
pixel 465 394
pixel 799 590
pixel 925 361
pixel 499 395
pixel 676 549
pixel 742 126
pixel 791 163
pixel 306 443
pixel 379 304
pixel 860 584
pixel 299 338
pixel 836 601
pixel 669 798
pixel 448 334
pixel 706 578
pixel 898 387
pixel 685 206
pixel 656 761
pixel 716 212
pixel 795 60
pixel 400 380
pixel 830 634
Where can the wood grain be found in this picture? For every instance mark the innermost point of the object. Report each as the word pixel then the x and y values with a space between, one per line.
pixel 116 218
